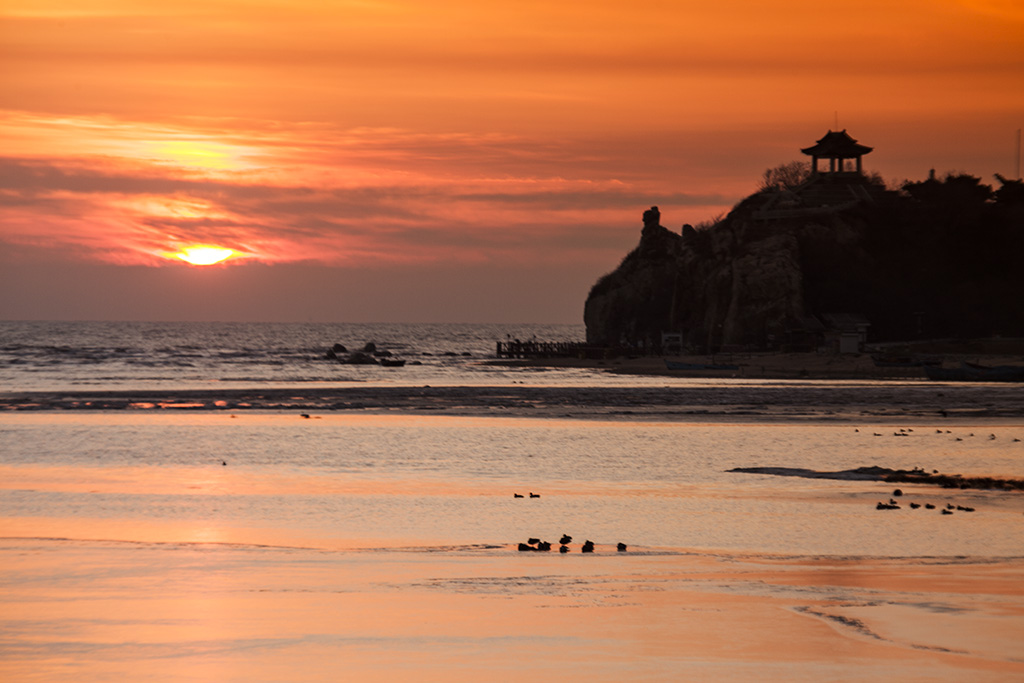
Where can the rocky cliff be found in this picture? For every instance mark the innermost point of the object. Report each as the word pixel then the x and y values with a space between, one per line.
pixel 913 268
pixel 716 287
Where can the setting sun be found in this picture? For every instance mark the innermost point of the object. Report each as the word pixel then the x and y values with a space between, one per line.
pixel 205 255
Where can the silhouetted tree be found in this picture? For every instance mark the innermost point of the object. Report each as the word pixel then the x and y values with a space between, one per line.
pixel 875 178
pixel 1011 192
pixel 954 189
pixel 786 176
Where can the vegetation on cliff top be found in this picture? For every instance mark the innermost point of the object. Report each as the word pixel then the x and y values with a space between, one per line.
pixel 937 258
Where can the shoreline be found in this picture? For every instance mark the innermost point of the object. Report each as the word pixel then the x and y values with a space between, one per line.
pixel 939 403
pixel 754 365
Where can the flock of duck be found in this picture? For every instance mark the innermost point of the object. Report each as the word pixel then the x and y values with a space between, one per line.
pixel 893 505
pixel 906 432
pixel 949 508
pixel 537 545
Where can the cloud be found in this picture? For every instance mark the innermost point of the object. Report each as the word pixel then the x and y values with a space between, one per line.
pixel 132 192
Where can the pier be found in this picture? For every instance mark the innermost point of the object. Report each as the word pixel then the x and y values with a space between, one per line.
pixel 539 349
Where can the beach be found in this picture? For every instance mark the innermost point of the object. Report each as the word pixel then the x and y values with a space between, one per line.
pixel 220 612
pixel 753 365
pixel 380 545
pixel 541 393
pixel 172 511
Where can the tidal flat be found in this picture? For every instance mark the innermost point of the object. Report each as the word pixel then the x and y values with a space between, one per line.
pixel 264 546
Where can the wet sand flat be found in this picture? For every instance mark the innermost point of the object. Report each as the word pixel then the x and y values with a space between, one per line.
pixel 382 546
pixel 112 611
pixel 740 399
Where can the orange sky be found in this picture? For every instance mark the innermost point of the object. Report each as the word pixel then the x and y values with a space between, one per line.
pixel 418 151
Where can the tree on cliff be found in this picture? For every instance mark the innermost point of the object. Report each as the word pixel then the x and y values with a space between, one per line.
pixel 954 189
pixel 940 259
pixel 1011 192
pixel 788 176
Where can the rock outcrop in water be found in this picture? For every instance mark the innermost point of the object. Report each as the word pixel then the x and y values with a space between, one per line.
pixel 939 259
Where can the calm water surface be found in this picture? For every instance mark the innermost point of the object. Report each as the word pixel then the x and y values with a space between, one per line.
pixel 139 355
pixel 404 480
pixel 262 546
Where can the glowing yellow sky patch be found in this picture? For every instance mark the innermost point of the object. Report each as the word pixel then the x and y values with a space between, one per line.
pixel 200 154
pixel 205 254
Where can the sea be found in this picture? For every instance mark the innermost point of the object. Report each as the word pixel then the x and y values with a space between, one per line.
pixel 139 355
pixel 659 484
pixel 96 503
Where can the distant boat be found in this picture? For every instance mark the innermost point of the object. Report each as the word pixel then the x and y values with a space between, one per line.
pixel 392 362
pixel 679 365
pixel 973 372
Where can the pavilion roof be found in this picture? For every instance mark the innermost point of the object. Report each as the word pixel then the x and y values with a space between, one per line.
pixel 837 144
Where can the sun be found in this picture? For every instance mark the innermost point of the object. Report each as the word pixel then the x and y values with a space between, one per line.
pixel 205 254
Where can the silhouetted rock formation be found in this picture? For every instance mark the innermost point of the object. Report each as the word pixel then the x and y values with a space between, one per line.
pixel 939 259
pixel 715 285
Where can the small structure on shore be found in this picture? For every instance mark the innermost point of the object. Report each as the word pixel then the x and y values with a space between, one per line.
pixel 514 348
pixel 838 147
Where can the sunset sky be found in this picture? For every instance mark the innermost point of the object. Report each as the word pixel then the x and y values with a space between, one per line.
pixel 449 160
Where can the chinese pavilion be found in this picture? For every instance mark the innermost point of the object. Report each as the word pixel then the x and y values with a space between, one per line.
pixel 837 147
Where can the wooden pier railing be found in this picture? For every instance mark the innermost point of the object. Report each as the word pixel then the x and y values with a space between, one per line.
pixel 539 349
